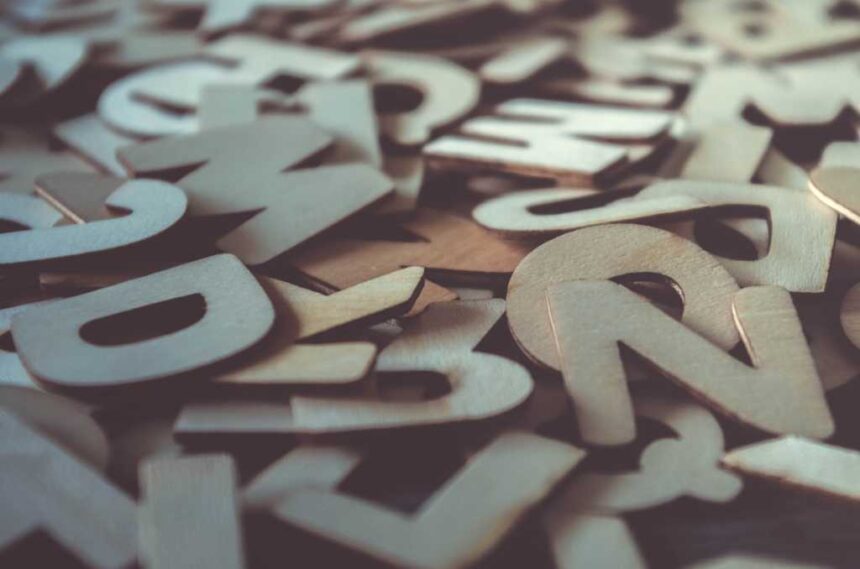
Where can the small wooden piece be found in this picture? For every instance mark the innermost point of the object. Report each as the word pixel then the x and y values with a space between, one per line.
pixel 669 468
pixel 516 213
pixel 523 60
pixel 397 19
pixel 802 464
pixel 611 251
pixel 585 540
pixel 441 340
pixel 27 211
pixel 366 303
pixel 223 15
pixel 839 188
pixel 242 172
pixel 339 363
pixel 43 487
pixel 574 119
pixel 781 394
pixel 54 60
pixel 189 515
pixel 542 155
pixel 802 231
pixel 238 314
pixel 523 467
pixel 62 420
pixel 136 103
pixel 772 30
pixel 752 562
pixel 155 207
pixel 24 156
pixel 728 152
pixel 319 467
pixel 88 136
pixel 304 314
pixel 436 79
pixel 447 244
pixel 81 197
pixel 46 15
pixel 607 92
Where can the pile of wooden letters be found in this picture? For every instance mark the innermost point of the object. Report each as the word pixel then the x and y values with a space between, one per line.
pixel 429 284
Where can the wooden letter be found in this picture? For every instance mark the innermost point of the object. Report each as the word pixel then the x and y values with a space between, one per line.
pixel 189 515
pixel 155 207
pixel 242 172
pixel 803 464
pixel 780 394
pixel 441 339
pixel 523 469
pixel 42 486
pixel 238 314
pixel 611 251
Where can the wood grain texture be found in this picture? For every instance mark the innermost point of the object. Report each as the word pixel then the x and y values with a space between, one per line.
pixel 524 468
pixel 189 514
pixel 611 251
pixel 238 314
pixel 780 394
